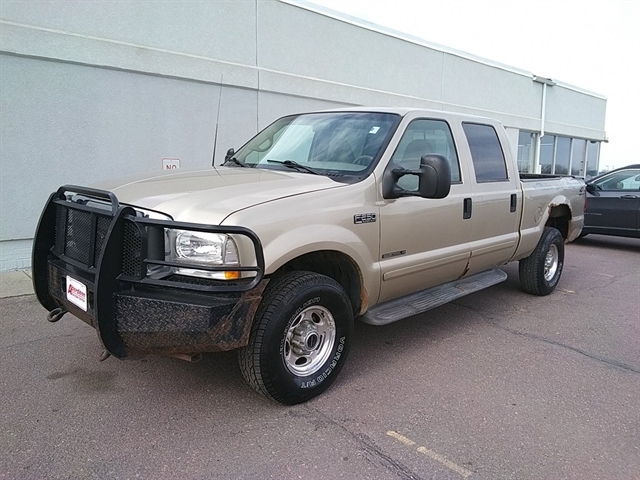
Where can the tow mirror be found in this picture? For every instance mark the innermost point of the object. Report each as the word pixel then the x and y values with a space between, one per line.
pixel 434 179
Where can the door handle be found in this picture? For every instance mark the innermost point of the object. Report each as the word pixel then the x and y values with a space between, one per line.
pixel 629 197
pixel 514 203
pixel 466 208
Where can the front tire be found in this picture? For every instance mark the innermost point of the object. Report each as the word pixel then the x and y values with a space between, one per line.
pixel 300 338
pixel 540 271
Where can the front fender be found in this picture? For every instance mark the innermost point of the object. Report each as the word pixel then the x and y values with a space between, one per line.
pixel 324 237
pixel 299 241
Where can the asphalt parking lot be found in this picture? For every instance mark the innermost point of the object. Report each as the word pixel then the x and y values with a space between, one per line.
pixel 497 385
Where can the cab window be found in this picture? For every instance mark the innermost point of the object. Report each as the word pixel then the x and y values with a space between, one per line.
pixel 486 153
pixel 421 138
pixel 625 180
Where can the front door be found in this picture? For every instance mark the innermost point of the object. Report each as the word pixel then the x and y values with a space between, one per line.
pixel 423 242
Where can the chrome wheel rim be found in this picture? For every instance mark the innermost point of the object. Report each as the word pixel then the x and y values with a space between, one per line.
pixel 309 341
pixel 551 262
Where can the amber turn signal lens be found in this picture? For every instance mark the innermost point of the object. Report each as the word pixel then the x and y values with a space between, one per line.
pixel 231 275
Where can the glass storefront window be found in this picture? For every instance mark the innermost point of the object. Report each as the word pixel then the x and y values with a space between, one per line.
pixel 525 151
pixel 578 153
pixel 546 153
pixel 593 152
pixel 563 150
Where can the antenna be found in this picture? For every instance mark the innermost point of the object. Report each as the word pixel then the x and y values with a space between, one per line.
pixel 215 136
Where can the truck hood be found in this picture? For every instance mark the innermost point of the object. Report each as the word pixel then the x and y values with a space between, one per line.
pixel 209 196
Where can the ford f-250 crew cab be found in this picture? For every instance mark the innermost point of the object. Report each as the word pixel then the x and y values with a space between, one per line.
pixel 379 214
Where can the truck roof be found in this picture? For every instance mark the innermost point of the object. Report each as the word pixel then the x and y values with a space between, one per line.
pixel 404 111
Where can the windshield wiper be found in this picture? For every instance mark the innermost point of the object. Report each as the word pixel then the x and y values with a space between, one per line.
pixel 235 161
pixel 296 165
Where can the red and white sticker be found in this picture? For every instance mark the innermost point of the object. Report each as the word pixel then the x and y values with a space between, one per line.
pixel 77 293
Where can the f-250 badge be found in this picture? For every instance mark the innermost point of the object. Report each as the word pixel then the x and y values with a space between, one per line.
pixel 364 218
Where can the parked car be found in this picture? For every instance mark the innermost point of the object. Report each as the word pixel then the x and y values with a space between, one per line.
pixel 613 203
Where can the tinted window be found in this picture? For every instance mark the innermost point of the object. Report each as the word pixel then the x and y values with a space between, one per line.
pixel 486 152
pixel 420 138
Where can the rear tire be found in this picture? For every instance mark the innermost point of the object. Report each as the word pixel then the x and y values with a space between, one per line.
pixel 300 338
pixel 540 271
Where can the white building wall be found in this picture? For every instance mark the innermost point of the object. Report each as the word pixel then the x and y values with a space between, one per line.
pixel 94 89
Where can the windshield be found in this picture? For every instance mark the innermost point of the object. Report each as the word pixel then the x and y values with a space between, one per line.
pixel 344 143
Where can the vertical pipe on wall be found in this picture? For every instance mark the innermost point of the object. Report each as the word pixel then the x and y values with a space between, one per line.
pixel 543 111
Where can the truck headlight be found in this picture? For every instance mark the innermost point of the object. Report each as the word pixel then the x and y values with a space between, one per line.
pixel 206 248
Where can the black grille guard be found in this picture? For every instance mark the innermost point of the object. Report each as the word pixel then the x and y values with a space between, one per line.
pixel 107 266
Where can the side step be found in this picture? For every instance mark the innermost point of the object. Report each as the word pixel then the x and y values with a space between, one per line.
pixel 419 302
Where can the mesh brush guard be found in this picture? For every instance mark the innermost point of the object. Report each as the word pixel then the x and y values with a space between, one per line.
pixel 134 299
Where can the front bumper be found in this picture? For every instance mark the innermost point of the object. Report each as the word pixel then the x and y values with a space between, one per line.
pixel 130 294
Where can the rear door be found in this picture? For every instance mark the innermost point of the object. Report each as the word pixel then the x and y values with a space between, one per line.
pixel 494 208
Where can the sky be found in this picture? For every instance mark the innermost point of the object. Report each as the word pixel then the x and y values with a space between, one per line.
pixel 592 44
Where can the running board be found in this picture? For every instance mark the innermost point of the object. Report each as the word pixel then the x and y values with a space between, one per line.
pixel 420 302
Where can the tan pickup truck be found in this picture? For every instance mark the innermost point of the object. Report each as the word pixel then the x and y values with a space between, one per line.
pixel 376 214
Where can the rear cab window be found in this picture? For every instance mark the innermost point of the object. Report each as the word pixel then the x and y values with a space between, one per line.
pixel 486 153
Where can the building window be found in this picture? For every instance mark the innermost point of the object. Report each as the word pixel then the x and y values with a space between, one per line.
pixel 565 155
pixel 593 152
pixel 563 152
pixel 547 145
pixel 525 151
pixel 578 155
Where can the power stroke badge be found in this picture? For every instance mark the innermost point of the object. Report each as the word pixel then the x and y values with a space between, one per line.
pixel 364 218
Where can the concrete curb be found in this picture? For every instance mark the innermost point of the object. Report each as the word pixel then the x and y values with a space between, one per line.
pixel 16 283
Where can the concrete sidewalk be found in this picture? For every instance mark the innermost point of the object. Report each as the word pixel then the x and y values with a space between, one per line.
pixel 16 283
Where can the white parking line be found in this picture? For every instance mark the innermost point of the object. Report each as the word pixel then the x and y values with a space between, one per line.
pixel 463 472
pixel 401 438
pixel 446 462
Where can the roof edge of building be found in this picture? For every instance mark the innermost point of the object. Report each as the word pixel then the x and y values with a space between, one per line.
pixel 359 22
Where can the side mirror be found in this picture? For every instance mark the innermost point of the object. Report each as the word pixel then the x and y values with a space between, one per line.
pixel 591 188
pixel 434 179
pixel 229 154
